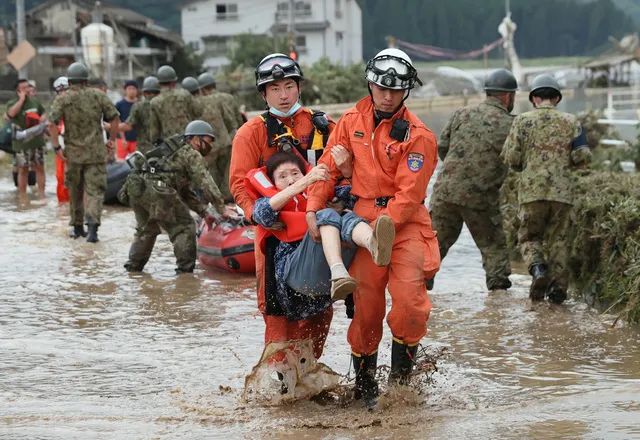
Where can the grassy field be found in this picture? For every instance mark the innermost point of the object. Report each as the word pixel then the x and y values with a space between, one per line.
pixel 499 62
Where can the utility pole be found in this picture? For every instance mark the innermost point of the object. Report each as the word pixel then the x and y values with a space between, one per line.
pixel 21 31
pixel 292 25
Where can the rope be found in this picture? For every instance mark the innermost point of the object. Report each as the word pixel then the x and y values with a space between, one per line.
pixel 425 51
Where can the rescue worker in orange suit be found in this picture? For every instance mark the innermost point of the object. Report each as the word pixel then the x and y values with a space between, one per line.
pixel 393 157
pixel 285 126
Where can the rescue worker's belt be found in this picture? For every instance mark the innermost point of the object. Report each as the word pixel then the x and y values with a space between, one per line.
pixel 382 201
pixel 378 201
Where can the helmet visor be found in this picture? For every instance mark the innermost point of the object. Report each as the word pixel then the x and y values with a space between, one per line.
pixel 392 72
pixel 267 65
pixel 396 66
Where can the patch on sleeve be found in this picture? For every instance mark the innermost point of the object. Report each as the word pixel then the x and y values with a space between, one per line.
pixel 415 161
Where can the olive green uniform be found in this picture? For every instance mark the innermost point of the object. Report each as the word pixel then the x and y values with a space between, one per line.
pixel 215 113
pixel 232 116
pixel 140 119
pixel 29 152
pixel 171 111
pixel 83 110
pixel 468 186
pixel 544 146
pixel 161 196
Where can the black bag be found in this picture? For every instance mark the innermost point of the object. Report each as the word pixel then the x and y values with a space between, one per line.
pixel 6 138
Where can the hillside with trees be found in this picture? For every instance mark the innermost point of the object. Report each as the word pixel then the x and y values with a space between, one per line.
pixel 545 27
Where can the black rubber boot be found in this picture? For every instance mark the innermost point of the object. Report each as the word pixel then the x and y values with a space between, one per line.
pixel 366 386
pixel 429 283
pixel 92 236
pixel 556 294
pixel 78 231
pixel 539 282
pixel 131 267
pixel 402 360
pixel 499 284
pixel 350 306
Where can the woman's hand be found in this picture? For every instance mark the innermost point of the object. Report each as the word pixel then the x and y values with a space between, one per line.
pixel 342 158
pixel 317 173
pixel 313 230
pixel 277 226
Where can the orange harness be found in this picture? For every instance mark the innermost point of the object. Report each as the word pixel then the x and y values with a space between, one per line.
pixel 293 214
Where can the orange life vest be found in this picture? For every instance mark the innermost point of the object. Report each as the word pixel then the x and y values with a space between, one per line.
pixel 293 214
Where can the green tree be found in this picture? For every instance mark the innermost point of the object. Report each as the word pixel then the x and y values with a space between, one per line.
pixel 186 62
pixel 248 49
pixel 328 83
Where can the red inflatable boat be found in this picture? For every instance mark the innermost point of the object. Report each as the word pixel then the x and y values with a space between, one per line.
pixel 228 246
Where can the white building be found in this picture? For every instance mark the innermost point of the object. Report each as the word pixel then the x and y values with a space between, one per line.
pixel 323 28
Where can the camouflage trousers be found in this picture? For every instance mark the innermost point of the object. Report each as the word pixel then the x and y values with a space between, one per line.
pixel 92 180
pixel 179 226
pixel 219 169
pixel 486 229
pixel 542 237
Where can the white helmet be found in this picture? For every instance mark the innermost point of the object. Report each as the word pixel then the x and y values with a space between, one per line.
pixel 392 69
pixel 60 84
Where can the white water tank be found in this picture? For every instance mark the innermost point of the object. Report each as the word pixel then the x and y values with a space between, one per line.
pixel 98 47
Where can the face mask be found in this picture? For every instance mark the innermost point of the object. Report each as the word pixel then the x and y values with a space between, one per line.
pixel 205 147
pixel 292 111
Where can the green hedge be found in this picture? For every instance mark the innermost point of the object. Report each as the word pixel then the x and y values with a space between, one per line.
pixel 604 239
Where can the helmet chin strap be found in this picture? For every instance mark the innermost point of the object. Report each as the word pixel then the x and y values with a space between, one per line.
pixel 379 114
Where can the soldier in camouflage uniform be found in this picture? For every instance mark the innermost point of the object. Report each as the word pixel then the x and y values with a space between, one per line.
pixel 140 116
pixel 468 186
pixel 163 187
pixel 172 109
pixel 28 154
pixel 544 145
pixel 219 114
pixel 232 115
pixel 83 109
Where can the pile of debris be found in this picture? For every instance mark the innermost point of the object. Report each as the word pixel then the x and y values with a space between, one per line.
pixel 604 240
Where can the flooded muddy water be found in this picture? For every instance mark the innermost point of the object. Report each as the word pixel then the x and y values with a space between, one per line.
pixel 89 351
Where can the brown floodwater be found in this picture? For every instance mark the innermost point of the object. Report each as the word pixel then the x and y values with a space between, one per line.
pixel 89 351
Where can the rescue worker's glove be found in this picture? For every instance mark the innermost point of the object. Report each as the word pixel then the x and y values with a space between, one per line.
pixel 349 304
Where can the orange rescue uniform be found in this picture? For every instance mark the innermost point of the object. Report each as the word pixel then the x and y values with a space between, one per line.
pixel 400 170
pixel 250 149
pixel 61 191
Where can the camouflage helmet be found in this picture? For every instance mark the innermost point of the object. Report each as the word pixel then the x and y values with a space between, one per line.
pixel 206 79
pixel 275 67
pixel 77 72
pixel 166 74
pixel 199 128
pixel 544 81
pixel 150 84
pixel 500 80
pixel 190 84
